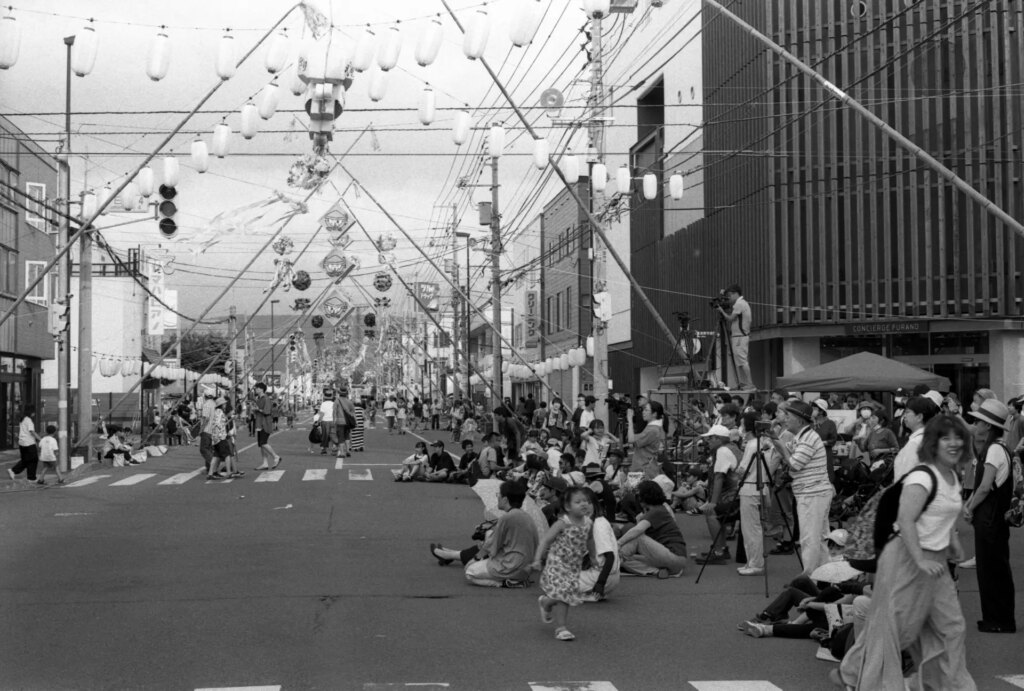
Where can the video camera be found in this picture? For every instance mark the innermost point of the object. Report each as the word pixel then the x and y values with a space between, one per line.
pixel 719 300
pixel 762 428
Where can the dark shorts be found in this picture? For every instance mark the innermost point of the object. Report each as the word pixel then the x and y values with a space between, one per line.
pixel 728 510
pixel 262 438
pixel 344 433
pixel 206 446
pixel 222 449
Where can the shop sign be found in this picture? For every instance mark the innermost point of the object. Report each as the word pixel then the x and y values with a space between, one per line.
pixel 887 327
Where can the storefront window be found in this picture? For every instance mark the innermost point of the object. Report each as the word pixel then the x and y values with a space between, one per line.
pixel 910 344
pixel 968 343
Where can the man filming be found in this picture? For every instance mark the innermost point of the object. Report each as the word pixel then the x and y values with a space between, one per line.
pixel 739 319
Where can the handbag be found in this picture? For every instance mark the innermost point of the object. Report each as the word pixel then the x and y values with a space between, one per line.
pixel 1014 516
pixel 350 419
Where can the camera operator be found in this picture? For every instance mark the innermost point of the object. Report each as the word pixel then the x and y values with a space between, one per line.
pixel 739 319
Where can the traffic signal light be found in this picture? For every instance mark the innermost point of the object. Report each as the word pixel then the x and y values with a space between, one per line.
pixel 291 343
pixel 60 312
pixel 165 210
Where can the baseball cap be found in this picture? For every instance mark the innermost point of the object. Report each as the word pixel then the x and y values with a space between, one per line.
pixel 933 396
pixel 717 431
pixel 839 536
pixel 437 443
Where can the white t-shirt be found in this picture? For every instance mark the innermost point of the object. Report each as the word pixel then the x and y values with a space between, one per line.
pixel 48 450
pixel 586 417
pixel 596 448
pixel 554 457
pixel 741 325
pixel 605 541
pixel 327 411
pixel 725 460
pixel 938 519
pixel 25 432
pixel 390 408
pixel 749 486
pixel 906 459
pixel 997 457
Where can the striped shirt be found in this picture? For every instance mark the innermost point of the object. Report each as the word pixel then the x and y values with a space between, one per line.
pixel 808 465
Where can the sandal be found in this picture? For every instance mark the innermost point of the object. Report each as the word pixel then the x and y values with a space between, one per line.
pixel 545 614
pixel 440 561
pixel 564 634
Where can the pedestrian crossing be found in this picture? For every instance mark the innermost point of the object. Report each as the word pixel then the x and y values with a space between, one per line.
pixel 198 476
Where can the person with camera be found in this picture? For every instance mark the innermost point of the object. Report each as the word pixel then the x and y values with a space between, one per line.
pixel 739 318
pixel 807 462
pixel 723 504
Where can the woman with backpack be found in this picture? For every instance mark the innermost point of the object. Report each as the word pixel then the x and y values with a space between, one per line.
pixel 915 606
pixel 985 510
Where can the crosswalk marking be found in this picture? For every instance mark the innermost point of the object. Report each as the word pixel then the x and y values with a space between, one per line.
pixel 270 476
pixel 1014 680
pixel 241 688
pixel 572 686
pixel 133 480
pixel 757 685
pixel 339 464
pixel 314 474
pixel 366 474
pixel 87 481
pixel 181 478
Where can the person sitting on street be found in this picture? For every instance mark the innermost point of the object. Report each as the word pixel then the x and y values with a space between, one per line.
pixel 503 560
pixel 440 465
pixel 655 545
pixel 532 444
pixel 468 470
pixel 118 450
pixel 489 462
pixel 600 576
pixel 691 493
pixel 603 492
pixel 552 489
pixel 413 466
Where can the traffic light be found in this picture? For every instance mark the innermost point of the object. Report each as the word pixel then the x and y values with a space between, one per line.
pixel 291 343
pixel 165 211
pixel 60 312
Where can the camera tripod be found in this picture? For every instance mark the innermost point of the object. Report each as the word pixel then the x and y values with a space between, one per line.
pixel 762 471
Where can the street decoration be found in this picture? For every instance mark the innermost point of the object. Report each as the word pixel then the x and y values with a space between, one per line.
pixel 386 244
pixel 382 303
pixel 428 294
pixel 317 321
pixel 335 306
pixel 301 304
pixel 382 282
pixel 370 319
pixel 334 264
pixel 283 245
pixel 284 275
pixel 309 172
pixel 369 333
pixel 257 218
pixel 337 222
pixel 301 280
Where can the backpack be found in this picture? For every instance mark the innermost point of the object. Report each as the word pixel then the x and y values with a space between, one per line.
pixel 873 527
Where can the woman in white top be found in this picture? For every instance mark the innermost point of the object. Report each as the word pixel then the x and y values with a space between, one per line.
pixel 915 605
pixel 27 440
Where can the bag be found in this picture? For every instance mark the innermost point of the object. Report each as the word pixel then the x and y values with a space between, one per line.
pixel 480 532
pixel 316 434
pixel 873 527
pixel 733 479
pixel 350 419
pixel 1014 516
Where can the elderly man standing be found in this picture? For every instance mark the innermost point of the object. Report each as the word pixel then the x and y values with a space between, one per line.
pixel 808 467
pixel 206 428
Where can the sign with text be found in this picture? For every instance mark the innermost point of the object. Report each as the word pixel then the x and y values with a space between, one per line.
pixel 532 336
pixel 428 294
pixel 887 327
pixel 155 310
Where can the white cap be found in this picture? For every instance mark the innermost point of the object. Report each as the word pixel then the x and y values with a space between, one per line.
pixel 934 396
pixel 717 431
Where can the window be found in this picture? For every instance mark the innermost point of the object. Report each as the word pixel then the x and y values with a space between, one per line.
pixel 40 293
pixel 8 227
pixel 558 312
pixel 568 308
pixel 8 270
pixel 35 210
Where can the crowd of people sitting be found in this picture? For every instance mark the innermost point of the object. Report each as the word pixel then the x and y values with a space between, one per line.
pixel 814 481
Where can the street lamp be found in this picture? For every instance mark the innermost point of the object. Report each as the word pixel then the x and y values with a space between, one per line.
pixel 273 352
pixel 465 313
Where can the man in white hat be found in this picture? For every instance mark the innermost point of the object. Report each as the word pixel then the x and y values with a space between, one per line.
pixel 723 501
pixel 206 427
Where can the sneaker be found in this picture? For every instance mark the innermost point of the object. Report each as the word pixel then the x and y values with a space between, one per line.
pixel 756 630
pixel 783 548
pixel 765 618
pixel 664 573
pixel 969 564
pixel 40 482
pixel 749 571
pixel 511 583
pixel 715 558
pixel 11 473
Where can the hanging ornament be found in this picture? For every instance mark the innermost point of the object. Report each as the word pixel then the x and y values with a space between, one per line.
pixel 316 321
pixel 301 304
pixel 129 196
pixel 597 9
pixel 145 181
pixel 590 346
pixel 200 156
pixel 284 274
pixel 370 319
pixel 89 205
pixel 370 333
pixel 526 22
pixel 335 306
pixel 460 130
pixel 382 303
pixel 623 181
pixel 283 245
pixel 378 85
pixel 277 52
pixel 650 186
pixel 250 121
pixel 269 98
pixel 83 52
pixel 334 264
pixel 301 281
pixel 171 171
pixel 675 186
pixel 496 141
pixel 159 57
pixel 426 109
pixel 221 139
pixel 387 54
pixel 103 198
pixel 362 56
pixel 10 42
pixel 571 167
pixel 599 177
pixel 541 153
pixel 226 60
pixel 478 28
pixel 382 282
pixel 429 42
pixel 295 83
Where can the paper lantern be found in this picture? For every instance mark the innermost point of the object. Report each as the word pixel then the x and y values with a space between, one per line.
pixel 599 177
pixel 429 43
pixel 102 199
pixel 478 28
pixel 590 346
pixel 623 181
pixel 675 186
pixel 221 140
pixel 496 141
pixel 504 366
pixel 226 60
pixel 426 109
pixel 597 8
pixel 563 362
pixel 524 25
pixel 370 320
pixel 390 49
pixel 145 181
pixel 109 367
pixel 128 368
pixel 378 85
pixel 577 357
pixel 336 62
pixel 89 205
pixel 269 98
pixel 200 156
pixel 159 57
pixel 83 52
pixel 129 196
pixel 277 52
pixel 460 130
pixel 541 153
pixel 295 83
pixel 10 42
pixel 250 121
pixel 362 56
pixel 540 369
pixel 650 186
pixel 570 167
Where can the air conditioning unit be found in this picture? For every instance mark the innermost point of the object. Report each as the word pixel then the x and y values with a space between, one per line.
pixel 624 6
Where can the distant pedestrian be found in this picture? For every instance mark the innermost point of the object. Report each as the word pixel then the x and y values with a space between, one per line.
pixel 264 426
pixel 27 439
pixel 48 455
pixel 565 544
pixel 356 442
pixel 206 428
pixel 390 413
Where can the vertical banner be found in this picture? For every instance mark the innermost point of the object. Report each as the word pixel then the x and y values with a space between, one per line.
pixel 532 339
pixel 428 293
pixel 155 310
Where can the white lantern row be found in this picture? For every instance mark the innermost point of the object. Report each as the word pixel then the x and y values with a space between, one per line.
pixel 427 106
pixel 269 98
pixel 390 49
pixel 478 29
pixel 597 8
pixel 524 26
pixel 571 167
pixel 541 153
pixel 171 171
pixel 200 156
pixel 277 52
pixel 650 186
pixel 10 42
pixel 675 186
pixel 599 177
pixel 159 57
pixel 83 52
pixel 460 130
pixel 429 43
pixel 496 141
pixel 145 181
pixel 226 60
pixel 623 180
pixel 250 121
pixel 221 140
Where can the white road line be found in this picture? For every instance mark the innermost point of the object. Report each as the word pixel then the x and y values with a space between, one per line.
pixel 572 686
pixel 339 464
pixel 734 686
pixel 411 685
pixel 360 474
pixel 269 476
pixel 133 480
pixel 87 481
pixel 241 688
pixel 315 474
pixel 181 478
pixel 1014 680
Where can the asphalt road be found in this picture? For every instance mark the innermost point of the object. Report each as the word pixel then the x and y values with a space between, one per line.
pixel 323 581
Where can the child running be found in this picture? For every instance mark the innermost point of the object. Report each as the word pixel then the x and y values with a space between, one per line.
pixel 48 456
pixel 568 539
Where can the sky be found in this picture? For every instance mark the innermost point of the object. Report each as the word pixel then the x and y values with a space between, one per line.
pixel 119 115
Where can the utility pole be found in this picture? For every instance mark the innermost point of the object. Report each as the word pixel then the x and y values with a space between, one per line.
pixel 468 318
pixel 599 267
pixel 233 337
pixel 456 323
pixel 85 343
pixel 496 381
pixel 63 338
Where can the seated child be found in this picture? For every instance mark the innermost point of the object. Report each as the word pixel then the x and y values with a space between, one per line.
pixel 413 466
pixel 690 494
